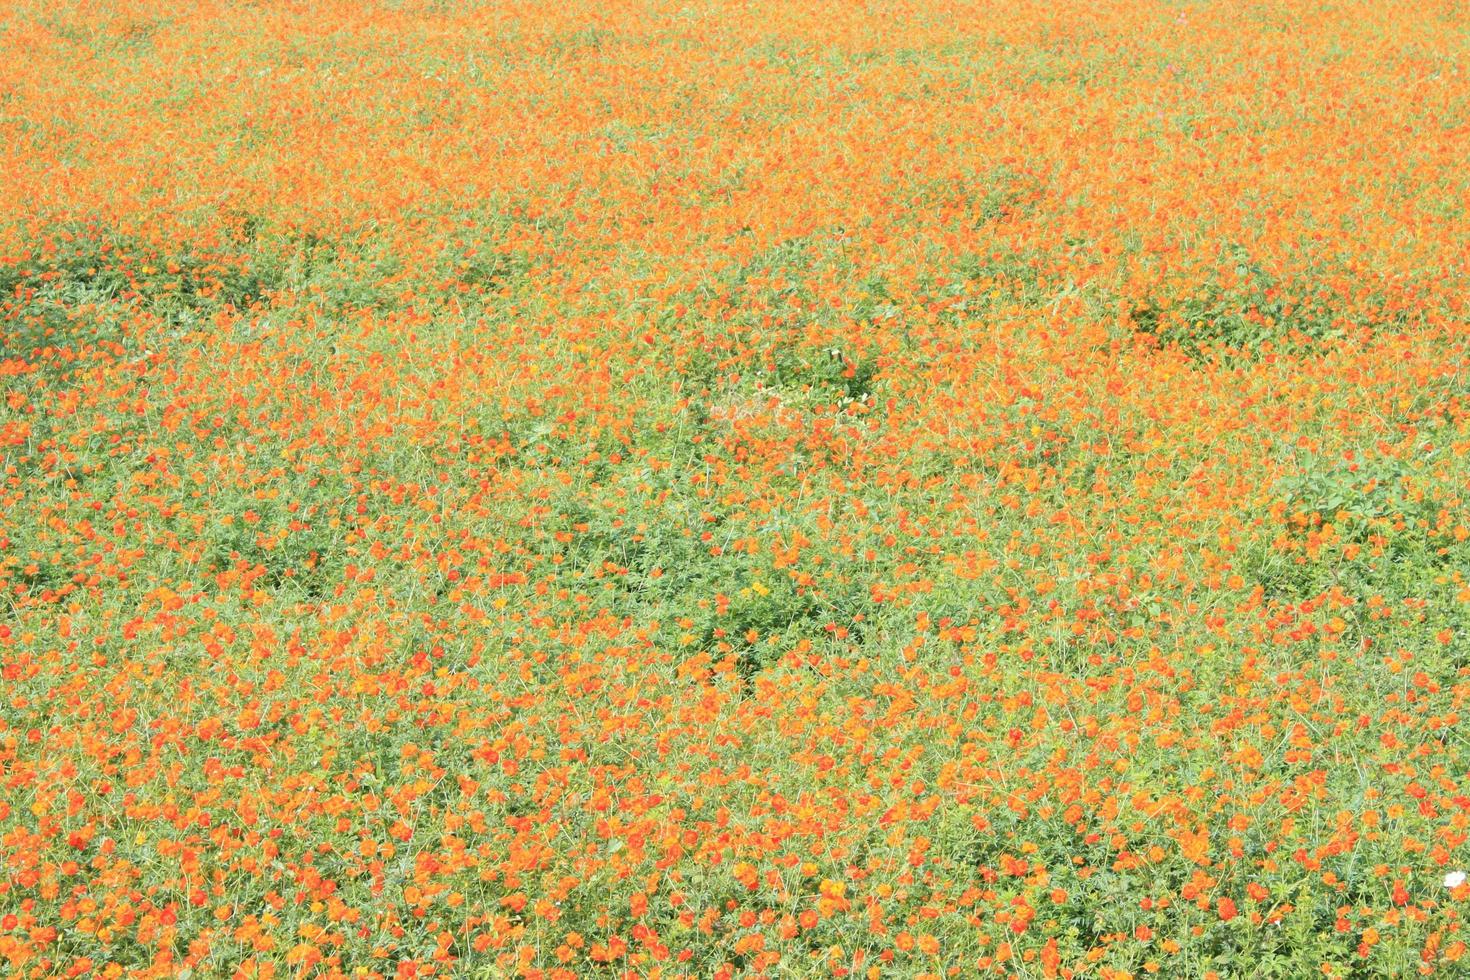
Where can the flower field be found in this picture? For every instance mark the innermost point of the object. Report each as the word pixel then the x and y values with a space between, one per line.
pixel 697 488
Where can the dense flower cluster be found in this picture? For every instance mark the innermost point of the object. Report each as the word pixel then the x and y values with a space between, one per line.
pixel 721 489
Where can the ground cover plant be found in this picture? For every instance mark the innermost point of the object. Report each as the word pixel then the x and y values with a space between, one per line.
pixel 712 489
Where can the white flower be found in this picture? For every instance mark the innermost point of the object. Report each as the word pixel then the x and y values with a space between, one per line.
pixel 1454 879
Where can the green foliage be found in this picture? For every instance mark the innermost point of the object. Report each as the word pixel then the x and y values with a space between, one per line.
pixel 1244 310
